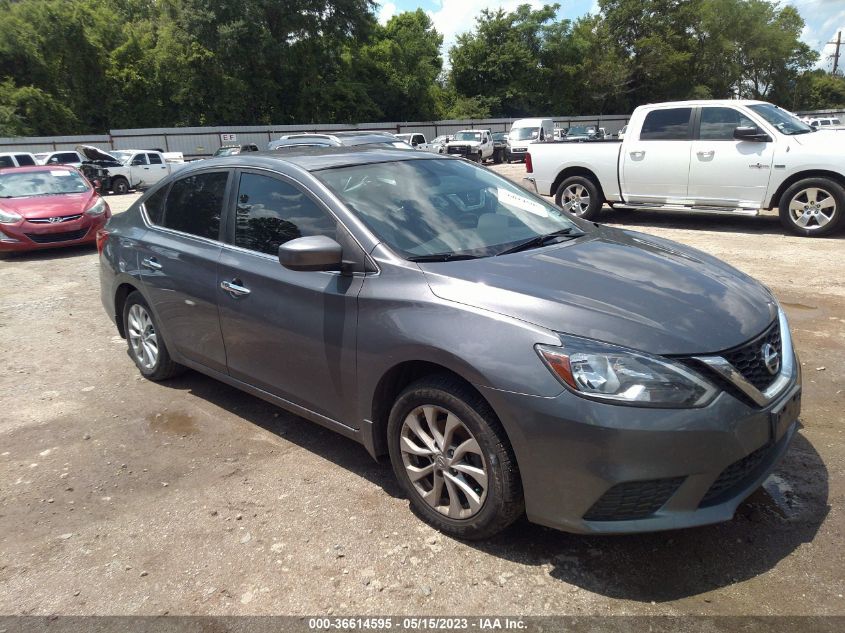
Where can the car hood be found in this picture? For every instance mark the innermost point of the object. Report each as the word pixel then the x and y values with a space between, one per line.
pixel 617 286
pixel 48 206
pixel 470 143
pixel 95 153
pixel 823 140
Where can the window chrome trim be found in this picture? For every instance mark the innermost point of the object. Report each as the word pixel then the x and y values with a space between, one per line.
pixel 784 378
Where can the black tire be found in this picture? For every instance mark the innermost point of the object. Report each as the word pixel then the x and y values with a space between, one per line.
pixel 120 186
pixel 503 503
pixel 588 210
pixel 497 157
pixel 806 197
pixel 164 367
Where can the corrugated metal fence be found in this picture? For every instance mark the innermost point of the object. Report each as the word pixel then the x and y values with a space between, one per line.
pixel 199 142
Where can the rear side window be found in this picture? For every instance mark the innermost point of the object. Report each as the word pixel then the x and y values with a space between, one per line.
pixel 195 204
pixel 155 159
pixel 718 124
pixel 24 159
pixel 271 212
pixel 825 122
pixel 671 124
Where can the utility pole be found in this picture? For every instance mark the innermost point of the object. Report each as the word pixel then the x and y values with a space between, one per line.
pixel 835 56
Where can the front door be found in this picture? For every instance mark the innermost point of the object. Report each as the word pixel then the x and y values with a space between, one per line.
pixel 724 171
pixel 289 333
pixel 655 167
pixel 178 263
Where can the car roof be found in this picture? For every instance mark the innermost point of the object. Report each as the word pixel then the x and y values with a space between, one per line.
pixel 36 168
pixel 317 158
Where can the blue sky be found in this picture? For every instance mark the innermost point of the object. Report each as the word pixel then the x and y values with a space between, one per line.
pixel 823 17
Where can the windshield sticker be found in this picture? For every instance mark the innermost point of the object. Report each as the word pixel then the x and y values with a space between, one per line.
pixel 508 197
pixel 60 173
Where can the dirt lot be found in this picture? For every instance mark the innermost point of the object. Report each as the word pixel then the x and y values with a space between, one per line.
pixel 121 496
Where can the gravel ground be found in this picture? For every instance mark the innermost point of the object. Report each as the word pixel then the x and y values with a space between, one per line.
pixel 121 496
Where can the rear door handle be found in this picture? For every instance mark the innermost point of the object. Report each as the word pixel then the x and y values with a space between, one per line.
pixel 151 263
pixel 706 154
pixel 235 288
pixel 638 154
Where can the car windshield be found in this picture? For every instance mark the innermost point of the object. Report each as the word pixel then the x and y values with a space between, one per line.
pixel 42 183
pixel 468 136
pixel 122 156
pixel 443 207
pixel 524 133
pixel 500 136
pixel 441 139
pixel 581 130
pixel 785 122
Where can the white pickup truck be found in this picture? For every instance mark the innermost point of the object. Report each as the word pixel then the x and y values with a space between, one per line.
pixel 121 170
pixel 730 157
pixel 475 145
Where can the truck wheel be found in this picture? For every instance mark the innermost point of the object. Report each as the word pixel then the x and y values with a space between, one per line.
pixel 120 186
pixel 497 157
pixel 812 207
pixel 579 196
pixel 453 459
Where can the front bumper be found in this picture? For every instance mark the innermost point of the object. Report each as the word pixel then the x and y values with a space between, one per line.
pixel 27 236
pixel 590 467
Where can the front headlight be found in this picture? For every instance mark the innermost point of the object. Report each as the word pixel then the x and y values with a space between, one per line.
pixel 622 376
pixel 9 217
pixel 98 208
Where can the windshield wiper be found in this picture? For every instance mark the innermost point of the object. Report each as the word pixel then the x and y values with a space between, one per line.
pixel 441 257
pixel 540 240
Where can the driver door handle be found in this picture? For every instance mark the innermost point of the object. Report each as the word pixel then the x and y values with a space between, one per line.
pixel 235 288
pixel 151 263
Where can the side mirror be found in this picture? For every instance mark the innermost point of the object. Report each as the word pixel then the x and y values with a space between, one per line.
pixel 751 133
pixel 313 253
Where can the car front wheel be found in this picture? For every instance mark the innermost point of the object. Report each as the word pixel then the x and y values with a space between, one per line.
pixel 453 459
pixel 813 207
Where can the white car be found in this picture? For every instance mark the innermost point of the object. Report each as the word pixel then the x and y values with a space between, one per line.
pixel 475 145
pixel 414 140
pixel 730 157
pixel 826 123
pixel 121 170
pixel 17 159
pixel 63 157
pixel 436 146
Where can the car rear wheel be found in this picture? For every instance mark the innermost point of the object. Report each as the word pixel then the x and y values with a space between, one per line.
pixel 120 186
pixel 453 459
pixel 813 207
pixel 579 196
pixel 146 346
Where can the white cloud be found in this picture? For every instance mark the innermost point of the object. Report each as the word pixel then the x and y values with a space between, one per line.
pixel 386 11
pixel 454 17
pixel 822 19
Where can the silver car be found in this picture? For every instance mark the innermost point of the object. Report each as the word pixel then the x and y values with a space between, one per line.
pixel 507 357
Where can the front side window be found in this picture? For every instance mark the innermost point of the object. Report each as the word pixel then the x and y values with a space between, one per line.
pixel 443 207
pixel 140 159
pixel 718 124
pixel 670 124
pixel 195 204
pixel 271 212
pixel 68 157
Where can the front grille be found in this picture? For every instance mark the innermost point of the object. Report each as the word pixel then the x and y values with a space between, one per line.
pixel 633 500
pixel 735 477
pixel 458 149
pixel 64 218
pixel 51 238
pixel 748 358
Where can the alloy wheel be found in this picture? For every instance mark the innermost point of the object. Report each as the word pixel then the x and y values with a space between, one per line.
pixel 812 208
pixel 576 199
pixel 444 462
pixel 142 336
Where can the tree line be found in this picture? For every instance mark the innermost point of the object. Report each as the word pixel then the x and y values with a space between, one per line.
pixel 93 65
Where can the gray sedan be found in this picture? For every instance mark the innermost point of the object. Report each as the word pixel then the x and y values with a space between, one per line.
pixel 507 357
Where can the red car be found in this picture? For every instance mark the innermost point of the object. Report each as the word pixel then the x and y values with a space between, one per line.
pixel 48 206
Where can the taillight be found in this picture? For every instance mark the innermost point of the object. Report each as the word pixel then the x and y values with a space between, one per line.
pixel 529 167
pixel 102 238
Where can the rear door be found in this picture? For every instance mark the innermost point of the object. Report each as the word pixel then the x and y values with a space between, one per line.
pixel 655 166
pixel 157 168
pixel 724 171
pixel 178 262
pixel 289 333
